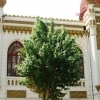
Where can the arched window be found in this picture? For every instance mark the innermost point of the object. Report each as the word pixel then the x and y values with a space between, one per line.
pixel 13 58
pixel 82 66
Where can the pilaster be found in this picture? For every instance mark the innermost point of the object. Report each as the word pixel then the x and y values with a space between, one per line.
pixel 2 3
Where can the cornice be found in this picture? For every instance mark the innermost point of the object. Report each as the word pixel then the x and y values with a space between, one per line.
pixel 19 29
pixel 20 25
pixel 44 18
pixel 18 22
pixel 32 23
pixel 2 3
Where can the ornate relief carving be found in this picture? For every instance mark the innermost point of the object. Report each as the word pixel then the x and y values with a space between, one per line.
pixel 16 93
pixel 98 18
pixel 75 32
pixel 17 29
pixel 89 1
pixel 78 94
pixel 94 22
pixel 2 3
pixel 26 29
pixel 29 30
pixel 97 5
pixel 91 10
pixel 98 37
pixel 22 29
pixel 91 22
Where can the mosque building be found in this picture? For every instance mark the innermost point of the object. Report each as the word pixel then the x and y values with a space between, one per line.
pixel 14 28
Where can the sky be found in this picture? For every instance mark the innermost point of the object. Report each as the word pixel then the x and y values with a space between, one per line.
pixel 64 9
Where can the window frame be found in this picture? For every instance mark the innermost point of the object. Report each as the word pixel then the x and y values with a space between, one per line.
pixel 12 58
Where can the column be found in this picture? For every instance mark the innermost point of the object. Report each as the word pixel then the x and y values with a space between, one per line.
pixel 91 26
pixel 0 41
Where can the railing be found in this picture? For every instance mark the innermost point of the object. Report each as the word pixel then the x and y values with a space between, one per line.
pixel 14 81
pixel 82 82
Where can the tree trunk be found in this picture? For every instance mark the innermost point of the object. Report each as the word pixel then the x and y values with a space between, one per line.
pixel 47 93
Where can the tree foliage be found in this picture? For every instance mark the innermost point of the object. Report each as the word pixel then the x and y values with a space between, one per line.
pixel 51 61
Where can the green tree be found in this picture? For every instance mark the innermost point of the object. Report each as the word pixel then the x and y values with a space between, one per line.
pixel 51 61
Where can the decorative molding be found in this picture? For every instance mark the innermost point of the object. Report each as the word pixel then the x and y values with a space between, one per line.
pixel 75 32
pixel 17 29
pixel 20 29
pixel 18 22
pixel 44 18
pixel 16 93
pixel 2 3
pixel 32 23
pixel 78 94
pixel 26 29
pixel 71 26
pixel 97 12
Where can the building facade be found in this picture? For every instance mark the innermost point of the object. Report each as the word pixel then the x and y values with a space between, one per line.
pixel 14 28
